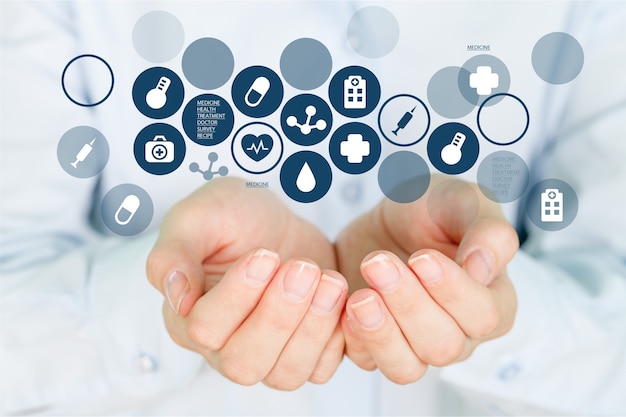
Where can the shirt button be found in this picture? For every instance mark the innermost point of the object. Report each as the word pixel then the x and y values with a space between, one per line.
pixel 509 370
pixel 146 364
pixel 352 192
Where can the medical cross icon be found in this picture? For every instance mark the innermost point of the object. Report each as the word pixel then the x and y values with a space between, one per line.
pixel 355 148
pixel 483 80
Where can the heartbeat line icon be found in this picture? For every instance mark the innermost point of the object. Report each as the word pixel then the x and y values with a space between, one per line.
pixel 257 148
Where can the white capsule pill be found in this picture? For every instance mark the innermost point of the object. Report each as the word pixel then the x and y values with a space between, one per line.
pixel 127 209
pixel 257 91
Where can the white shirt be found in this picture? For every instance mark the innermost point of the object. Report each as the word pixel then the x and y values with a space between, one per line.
pixel 81 327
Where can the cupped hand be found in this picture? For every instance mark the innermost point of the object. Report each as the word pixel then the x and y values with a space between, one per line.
pixel 250 286
pixel 432 278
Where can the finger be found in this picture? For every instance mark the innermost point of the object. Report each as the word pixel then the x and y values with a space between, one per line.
pixel 219 312
pixel 254 348
pixel 487 247
pixel 300 356
pixel 330 358
pixel 381 336
pixel 355 348
pixel 429 329
pixel 481 312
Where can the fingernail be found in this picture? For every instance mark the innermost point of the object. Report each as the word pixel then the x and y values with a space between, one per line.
pixel 327 294
pixel 382 272
pixel 299 280
pixel 426 268
pixel 261 267
pixel 479 265
pixel 176 288
pixel 368 312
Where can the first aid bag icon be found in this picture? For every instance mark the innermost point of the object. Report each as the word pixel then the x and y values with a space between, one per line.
pixel 159 150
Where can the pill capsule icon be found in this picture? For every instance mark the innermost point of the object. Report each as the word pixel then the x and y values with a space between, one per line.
pixel 257 91
pixel 127 209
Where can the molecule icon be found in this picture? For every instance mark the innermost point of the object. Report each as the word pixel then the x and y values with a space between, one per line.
pixel 209 173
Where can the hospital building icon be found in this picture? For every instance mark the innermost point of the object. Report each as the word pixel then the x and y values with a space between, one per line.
pixel 552 205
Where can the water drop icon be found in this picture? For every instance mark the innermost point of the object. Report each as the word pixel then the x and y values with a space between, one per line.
pixel 306 180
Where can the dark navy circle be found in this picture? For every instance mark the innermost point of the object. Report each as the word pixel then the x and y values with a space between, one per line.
pixel 208 119
pixel 484 103
pixel 159 149
pixel 69 96
pixel 453 148
pixel 354 148
pixel 158 93
pixel 306 119
pixel 306 176
pixel 257 91
pixel 354 91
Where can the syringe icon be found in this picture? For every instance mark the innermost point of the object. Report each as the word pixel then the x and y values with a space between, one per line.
pixel 406 118
pixel 83 153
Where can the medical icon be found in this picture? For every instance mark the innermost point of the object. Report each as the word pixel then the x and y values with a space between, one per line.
pixel 306 180
pixel 159 150
pixel 483 80
pixel 355 92
pixel 354 148
pixel 404 120
pixel 209 173
pixel 257 91
pixel 307 127
pixel 156 98
pixel 451 153
pixel 257 147
pixel 83 153
pixel 552 205
pixel 126 211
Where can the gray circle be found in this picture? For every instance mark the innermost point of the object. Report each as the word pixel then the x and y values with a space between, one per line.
pixel 83 151
pixel 496 68
pixel 503 176
pixel 444 95
pixel 558 58
pixel 208 63
pixel 158 36
pixel 552 204
pixel 306 63
pixel 403 177
pixel 373 32
pixel 127 209
pixel 464 209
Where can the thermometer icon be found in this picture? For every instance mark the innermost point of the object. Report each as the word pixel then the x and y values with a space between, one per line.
pixel 156 97
pixel 451 153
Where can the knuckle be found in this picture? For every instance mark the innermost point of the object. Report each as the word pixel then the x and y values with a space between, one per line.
pixel 239 371
pixel 490 322
pixel 199 334
pixel 445 352
pixel 283 381
pixel 407 374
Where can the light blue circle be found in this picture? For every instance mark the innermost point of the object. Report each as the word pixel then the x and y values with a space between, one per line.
pixel 403 177
pixel 355 159
pixel 543 199
pixel 373 32
pixel 495 66
pixel 208 63
pixel 306 64
pixel 444 95
pixel 295 167
pixel 158 36
pixel 503 176
pixel 83 151
pixel 127 209
pixel 558 58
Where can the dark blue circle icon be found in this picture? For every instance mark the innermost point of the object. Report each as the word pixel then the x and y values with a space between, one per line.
pixel 95 66
pixel 208 119
pixel 355 148
pixel 453 148
pixel 306 176
pixel 159 149
pixel 158 93
pixel 354 91
pixel 499 96
pixel 306 119
pixel 257 91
